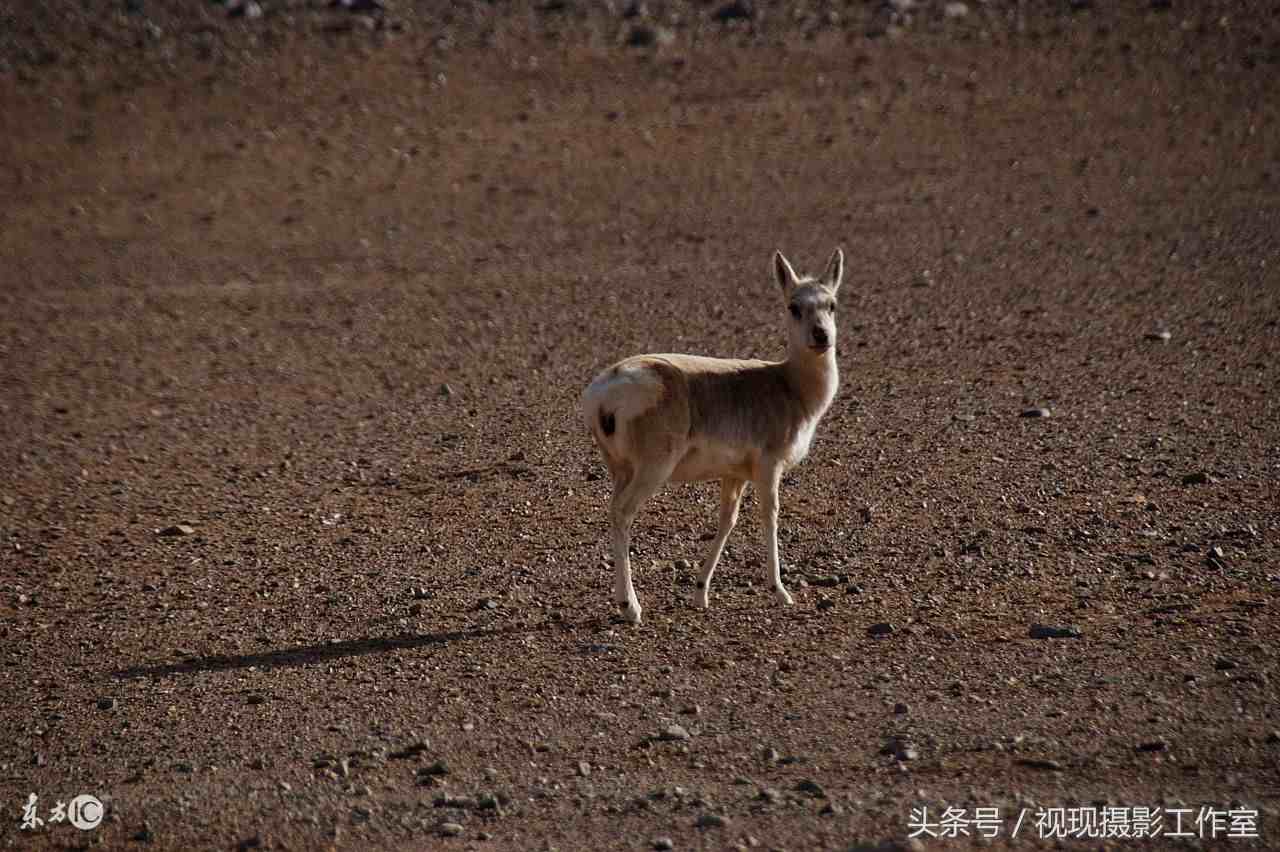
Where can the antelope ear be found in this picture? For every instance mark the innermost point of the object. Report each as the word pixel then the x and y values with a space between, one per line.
pixel 787 278
pixel 835 271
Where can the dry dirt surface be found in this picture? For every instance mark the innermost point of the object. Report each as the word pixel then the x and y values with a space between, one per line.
pixel 303 541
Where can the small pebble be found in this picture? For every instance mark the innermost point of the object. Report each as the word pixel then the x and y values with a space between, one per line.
pixel 811 787
pixel 880 628
pixel 662 843
pixel 412 750
pixel 451 829
pixel 735 10
pixel 1036 412
pixel 1047 631
pixel 462 802
pixel 643 35
pixel 900 749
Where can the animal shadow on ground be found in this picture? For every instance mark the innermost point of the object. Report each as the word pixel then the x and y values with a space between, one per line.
pixel 307 655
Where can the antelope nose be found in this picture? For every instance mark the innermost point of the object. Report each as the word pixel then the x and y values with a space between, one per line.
pixel 820 336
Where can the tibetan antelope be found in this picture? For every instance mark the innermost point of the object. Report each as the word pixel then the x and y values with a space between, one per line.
pixel 686 418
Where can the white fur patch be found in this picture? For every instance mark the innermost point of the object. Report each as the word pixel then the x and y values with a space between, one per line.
pixel 804 438
pixel 626 394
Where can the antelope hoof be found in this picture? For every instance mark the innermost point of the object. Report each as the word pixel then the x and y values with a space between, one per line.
pixel 783 596
pixel 630 611
pixel 700 599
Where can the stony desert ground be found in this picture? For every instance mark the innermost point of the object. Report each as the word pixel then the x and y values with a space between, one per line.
pixel 302 540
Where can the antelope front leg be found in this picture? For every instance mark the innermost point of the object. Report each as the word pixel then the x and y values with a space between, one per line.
pixel 730 498
pixel 769 511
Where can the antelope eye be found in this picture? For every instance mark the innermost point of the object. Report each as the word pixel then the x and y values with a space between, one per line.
pixel 795 311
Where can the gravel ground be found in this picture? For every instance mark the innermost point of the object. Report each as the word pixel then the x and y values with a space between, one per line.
pixel 302 543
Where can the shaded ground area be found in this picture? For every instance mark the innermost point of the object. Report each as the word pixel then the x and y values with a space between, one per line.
pixel 302 543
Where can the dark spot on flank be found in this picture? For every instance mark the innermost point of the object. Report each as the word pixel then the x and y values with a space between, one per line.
pixel 702 584
pixel 607 423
